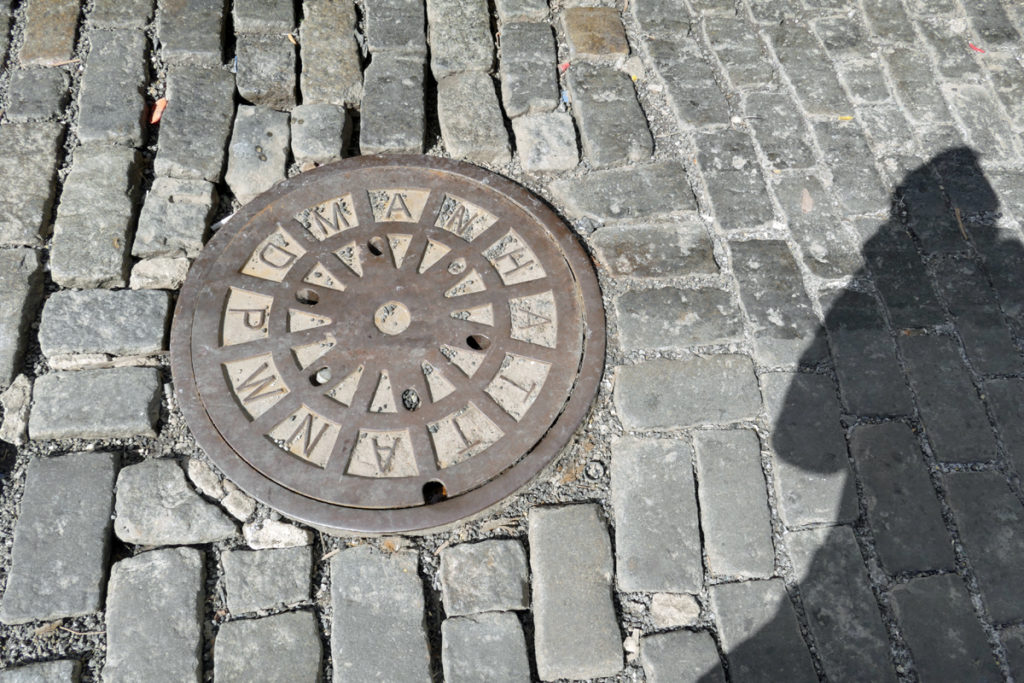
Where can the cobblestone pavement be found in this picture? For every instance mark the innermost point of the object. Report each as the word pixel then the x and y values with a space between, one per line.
pixel 805 460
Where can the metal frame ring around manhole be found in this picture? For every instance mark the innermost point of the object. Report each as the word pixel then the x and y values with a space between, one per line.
pixel 388 343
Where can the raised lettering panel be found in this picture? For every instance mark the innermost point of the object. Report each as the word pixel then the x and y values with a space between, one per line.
pixel 245 317
pixel 462 218
pixel 274 256
pixel 535 319
pixel 329 218
pixel 383 453
pixel 307 435
pixel 462 434
pixel 256 383
pixel 401 205
pixel 515 262
pixel 517 384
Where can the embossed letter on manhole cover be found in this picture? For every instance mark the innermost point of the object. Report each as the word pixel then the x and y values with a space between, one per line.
pixel 388 343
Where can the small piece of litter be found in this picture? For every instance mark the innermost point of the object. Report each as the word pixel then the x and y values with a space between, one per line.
pixel 563 67
pixel 158 110
pixel 565 96
pixel 292 38
pixel 976 48
pixel 846 118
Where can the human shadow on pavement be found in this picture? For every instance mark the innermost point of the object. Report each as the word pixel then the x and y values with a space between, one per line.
pixel 858 456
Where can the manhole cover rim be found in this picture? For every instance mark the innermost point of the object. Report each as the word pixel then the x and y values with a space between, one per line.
pixel 424 518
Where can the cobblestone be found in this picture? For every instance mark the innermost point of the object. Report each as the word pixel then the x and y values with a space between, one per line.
pixel 857 183
pixel 901 279
pixel 940 32
pixel 779 130
pixel 734 180
pixel 100 321
pixel 665 394
pixel 738 542
pixel 27 153
pixel 262 16
pixel 521 10
pixel 195 127
pixel 156 507
pixel 844 35
pixel 159 273
pixel 271 533
pixel 594 33
pixel 828 253
pixel 662 17
pixel 612 125
pixel 154 611
pixel 59 671
pixel 1007 76
pixel 384 127
pixel 529 80
pixel 487 576
pixel 653 498
pixel 679 248
pixel 470 118
pixel 1006 399
pixel 681 655
pixel 916 87
pixel 576 632
pixel 672 318
pixel 989 19
pixel 672 611
pixel 459 32
pixel 284 647
pixel 266 70
pixel 190 30
pixel 485 647
pixel 62 538
pixel 121 13
pixel 16 400
pixel 378 598
pixel 92 234
pixel 865 80
pixel 939 626
pixel 546 142
pixel 981 115
pixel 258 154
pixel 396 26
pixel 96 404
pixel 807 67
pixel 174 219
pixel 693 93
pixel 21 288
pixel 37 94
pixel 640 192
pixel 50 29
pixel 320 133
pixel 264 579
pixel 331 63
pixel 111 99
pixel 740 53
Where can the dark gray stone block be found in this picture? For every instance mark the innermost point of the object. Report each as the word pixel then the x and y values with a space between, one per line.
pixel 817 223
pixel 28 164
pixel 174 219
pixel 529 76
pixel 692 92
pixel 124 322
pixel 196 125
pixel 258 154
pixel 639 192
pixel 263 579
pixel 282 648
pixel 384 126
pixel 332 70
pixel 484 648
pixel 396 26
pixel 266 69
pixel 21 288
pixel 37 94
pixel 460 38
pixel 470 118
pixel 780 129
pixel 675 318
pixel 613 128
pixel 190 30
pixel 111 101
pixel 681 655
pixel 733 175
pixel 487 576
pixel 681 247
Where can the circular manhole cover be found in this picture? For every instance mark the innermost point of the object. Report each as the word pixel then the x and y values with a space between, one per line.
pixel 388 343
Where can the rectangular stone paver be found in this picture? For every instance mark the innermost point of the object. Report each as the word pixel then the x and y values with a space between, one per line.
pixel 100 321
pixel 594 34
pixel 121 13
pixel 61 541
pixel 915 86
pixel 484 648
pixel 676 318
pixel 666 394
pixel 320 133
pixel 154 617
pixel 518 10
pixel 56 671
pixel 681 655
pixel 779 129
pixel 737 539
pixel 258 154
pixel 612 125
pixel 378 607
pixel 266 69
pixel 958 430
pixel 759 632
pixel 262 16
pixel 1006 399
pixel 842 612
pixel 37 94
pixel 190 30
pixel 96 404
pixel 470 118
pixel 529 77
pixel 487 576
pixel 263 579
pixel 383 126
pixel 856 182
pixel 945 638
pixel 692 91
pixel 281 648
pixel 111 101
pixel 546 142
pixel 679 247
pixel 174 218
pixel 657 541
pixel 332 71
pixel 740 52
pixel 813 480
pixel 988 516
pixel 808 68
pixel 639 192
pixel 901 279
pixel 460 38
pixel 576 632
pixel 902 508
pixel 396 26
pixel 734 179
pixel 50 29
pixel 21 287
pixel 196 125
pixel 28 164
pixel 817 223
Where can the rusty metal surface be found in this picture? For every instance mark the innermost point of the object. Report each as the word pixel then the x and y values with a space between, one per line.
pixel 388 343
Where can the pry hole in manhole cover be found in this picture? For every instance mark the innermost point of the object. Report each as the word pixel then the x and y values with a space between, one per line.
pixel 388 343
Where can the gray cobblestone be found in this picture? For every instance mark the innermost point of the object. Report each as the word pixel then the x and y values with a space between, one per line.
pixel 196 125
pixel 1006 398
pixel 521 10
pixel 940 33
pixel 576 632
pixel 1007 76
pixel 262 16
pixel 111 100
pixel 159 273
pixel 813 481
pixel 612 125
pixel 676 318
pixel 58 671
pixel 154 617
pixel 842 614
pixel 740 52
pixel 27 164
pixel 396 26
pixel 546 142
pixel 50 29
pixel 681 655
pixel 258 153
pixel 887 130
pixel 901 279
pixel 989 19
pixel 981 115
pixel 671 610
pixel 657 541
pixel 378 598
pixel 808 69
pixel 320 133
pixel 92 234
pixel 916 87
pixel 958 432
pixel 96 404
pixel 332 71
pixel 664 394
pixel 665 250
pixel 121 13
pixel 779 129
pixel 785 328
pixel 693 94
pixel 266 69
pixel 470 117
pixel 487 576
pixel 734 179
pixel 529 79
pixel 640 192
pixel 902 508
pixel 759 633
pixel 174 219
pixel 460 37
pixel 37 94
pixel 21 288
pixel 101 321
pixel 865 80
pixel 816 222
pixel 282 648
pixel 939 626
pixel 662 17
pixel 1013 641
pixel 190 30
pixel 844 35
pixel 484 648
pixel 384 127
pixel 67 502
pixel 271 533
pixel 5 24
pixel 986 513
pixel 856 182
pixel 737 541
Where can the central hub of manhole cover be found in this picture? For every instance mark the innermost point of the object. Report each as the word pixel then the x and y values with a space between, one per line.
pixel 388 344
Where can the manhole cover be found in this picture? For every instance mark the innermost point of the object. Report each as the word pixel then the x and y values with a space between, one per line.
pixel 388 343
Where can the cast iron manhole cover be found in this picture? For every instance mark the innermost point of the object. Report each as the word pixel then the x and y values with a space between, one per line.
pixel 388 343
